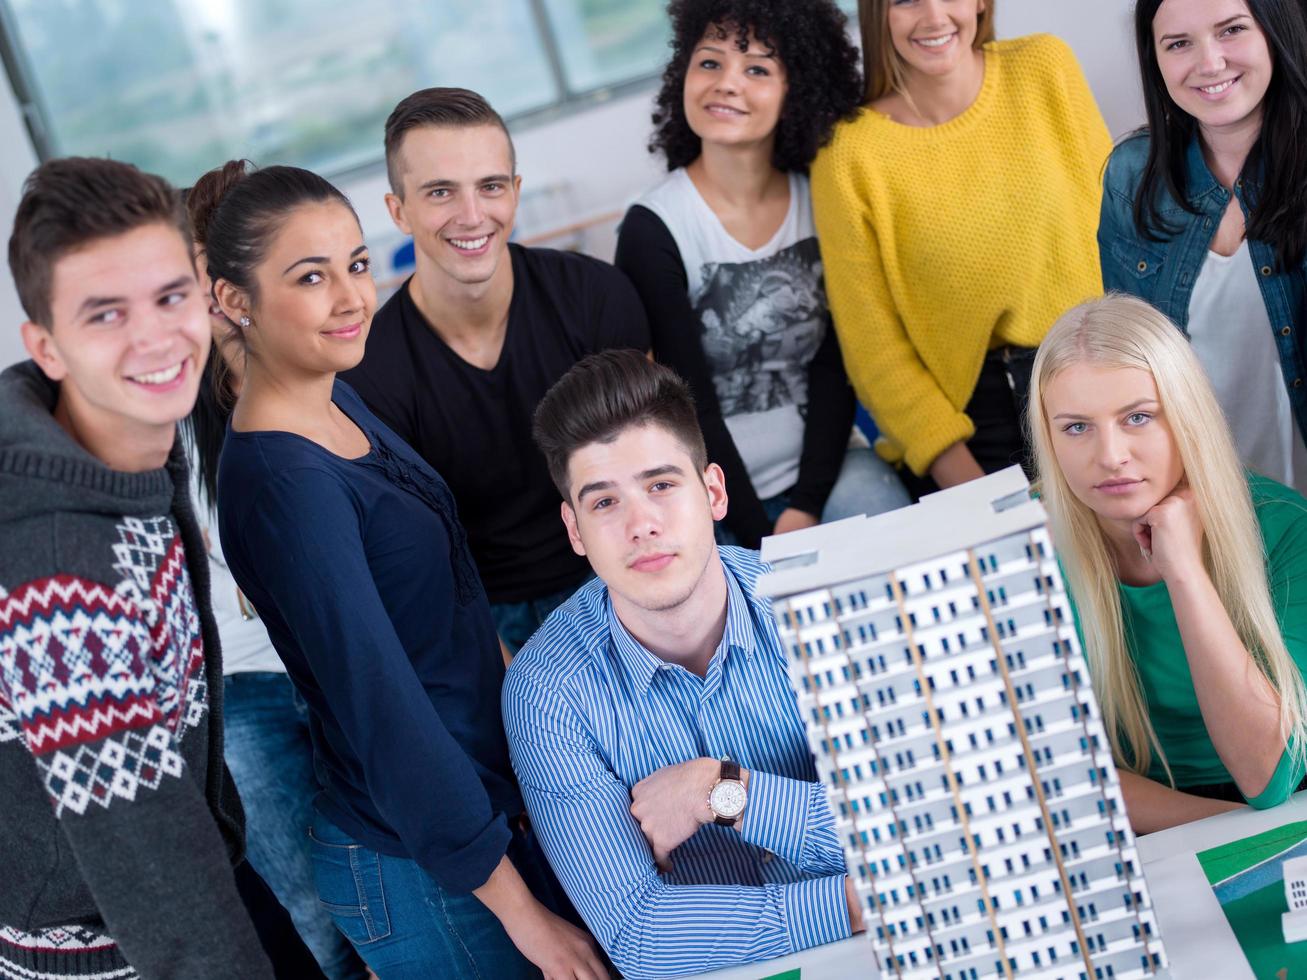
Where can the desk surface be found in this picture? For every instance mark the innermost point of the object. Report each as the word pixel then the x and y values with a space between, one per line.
pixel 1195 932
pixel 1197 937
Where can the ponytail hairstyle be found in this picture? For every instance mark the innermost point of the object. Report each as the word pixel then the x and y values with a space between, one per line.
pixel 1278 215
pixel 234 212
pixel 1119 331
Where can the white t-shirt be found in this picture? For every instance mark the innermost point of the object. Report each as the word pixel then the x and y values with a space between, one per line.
pixel 764 315
pixel 245 643
pixel 1232 336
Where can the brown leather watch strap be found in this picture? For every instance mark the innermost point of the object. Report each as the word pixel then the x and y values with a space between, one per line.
pixel 730 770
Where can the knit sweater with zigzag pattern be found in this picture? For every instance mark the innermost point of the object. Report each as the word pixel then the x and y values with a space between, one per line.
pixel 120 823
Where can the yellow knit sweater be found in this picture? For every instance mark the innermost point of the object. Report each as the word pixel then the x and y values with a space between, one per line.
pixel 941 243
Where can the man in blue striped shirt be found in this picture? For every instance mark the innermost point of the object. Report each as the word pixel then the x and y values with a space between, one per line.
pixel 623 706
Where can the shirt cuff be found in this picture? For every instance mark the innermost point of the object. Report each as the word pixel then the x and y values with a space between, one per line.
pixel 470 867
pixel 777 815
pixel 816 912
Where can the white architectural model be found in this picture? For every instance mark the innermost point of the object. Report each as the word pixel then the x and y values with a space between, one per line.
pixel 1294 921
pixel 949 710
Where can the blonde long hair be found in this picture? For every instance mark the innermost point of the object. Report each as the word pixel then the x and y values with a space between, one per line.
pixel 882 68
pixel 1125 332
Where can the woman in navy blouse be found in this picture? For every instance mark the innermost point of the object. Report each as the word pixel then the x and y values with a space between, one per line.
pixel 349 546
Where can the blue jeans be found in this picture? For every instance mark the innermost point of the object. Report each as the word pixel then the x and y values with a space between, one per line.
pixel 866 485
pixel 271 759
pixel 406 926
pixel 516 621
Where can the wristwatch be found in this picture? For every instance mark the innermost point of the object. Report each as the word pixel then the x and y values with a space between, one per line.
pixel 727 797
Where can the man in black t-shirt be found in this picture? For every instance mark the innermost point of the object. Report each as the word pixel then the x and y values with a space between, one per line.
pixel 458 358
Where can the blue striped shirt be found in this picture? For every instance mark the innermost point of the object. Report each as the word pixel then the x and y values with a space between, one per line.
pixel 590 712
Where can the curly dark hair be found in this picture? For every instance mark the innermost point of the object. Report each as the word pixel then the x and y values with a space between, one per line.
pixel 810 39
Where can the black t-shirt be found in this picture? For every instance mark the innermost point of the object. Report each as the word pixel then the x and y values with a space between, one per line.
pixel 474 426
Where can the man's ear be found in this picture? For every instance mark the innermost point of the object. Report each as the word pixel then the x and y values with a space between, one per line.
pixel 569 521
pixel 39 342
pixel 395 206
pixel 714 482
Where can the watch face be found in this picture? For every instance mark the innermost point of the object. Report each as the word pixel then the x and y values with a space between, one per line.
pixel 727 798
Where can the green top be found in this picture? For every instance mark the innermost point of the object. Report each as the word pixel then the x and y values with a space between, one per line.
pixel 1153 639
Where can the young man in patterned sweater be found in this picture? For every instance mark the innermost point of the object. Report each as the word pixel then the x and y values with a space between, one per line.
pixel 120 825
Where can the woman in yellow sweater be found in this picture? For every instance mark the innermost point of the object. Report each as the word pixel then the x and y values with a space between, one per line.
pixel 957 217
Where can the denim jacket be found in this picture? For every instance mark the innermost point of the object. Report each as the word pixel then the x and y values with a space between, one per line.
pixel 1164 273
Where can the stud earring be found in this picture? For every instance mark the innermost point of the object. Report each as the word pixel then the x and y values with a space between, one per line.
pixel 245 321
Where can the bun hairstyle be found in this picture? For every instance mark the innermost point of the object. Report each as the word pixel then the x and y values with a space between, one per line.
pixel 235 210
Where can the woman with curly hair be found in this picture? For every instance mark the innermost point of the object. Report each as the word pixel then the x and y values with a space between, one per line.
pixel 724 255
pixel 957 215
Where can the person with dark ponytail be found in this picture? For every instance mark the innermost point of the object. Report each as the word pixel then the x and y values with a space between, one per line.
pixel 267 742
pixel 1205 210
pixel 348 545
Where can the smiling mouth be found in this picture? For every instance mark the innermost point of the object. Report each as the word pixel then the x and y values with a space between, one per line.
pixel 1216 89
pixel 160 377
pixel 348 330
pixel 469 244
pixel 934 42
pixel 725 110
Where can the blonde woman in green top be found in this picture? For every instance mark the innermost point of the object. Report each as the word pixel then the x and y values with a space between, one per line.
pixel 1189 574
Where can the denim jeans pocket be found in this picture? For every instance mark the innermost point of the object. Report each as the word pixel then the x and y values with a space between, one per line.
pixel 348 881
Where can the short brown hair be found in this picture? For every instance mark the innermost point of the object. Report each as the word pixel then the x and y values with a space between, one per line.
pixel 457 107
pixel 882 69
pixel 605 394
pixel 72 201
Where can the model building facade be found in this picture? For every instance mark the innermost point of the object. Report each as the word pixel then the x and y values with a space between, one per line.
pixel 947 702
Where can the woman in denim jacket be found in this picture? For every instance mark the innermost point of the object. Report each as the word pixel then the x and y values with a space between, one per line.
pixel 1205 211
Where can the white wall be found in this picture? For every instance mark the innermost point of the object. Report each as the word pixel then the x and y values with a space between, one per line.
pixel 1102 34
pixel 591 163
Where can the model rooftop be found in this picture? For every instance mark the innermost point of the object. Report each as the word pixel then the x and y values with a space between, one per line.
pixel 951 520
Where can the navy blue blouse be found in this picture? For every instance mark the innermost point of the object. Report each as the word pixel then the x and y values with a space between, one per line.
pixel 362 574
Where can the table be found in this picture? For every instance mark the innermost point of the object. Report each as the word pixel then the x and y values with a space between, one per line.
pixel 847 959
pixel 1197 937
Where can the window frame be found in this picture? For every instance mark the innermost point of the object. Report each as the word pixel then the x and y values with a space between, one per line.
pixel 37 117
